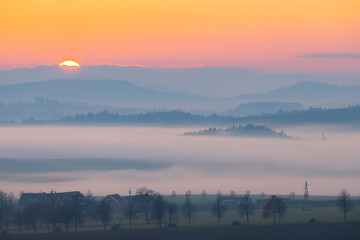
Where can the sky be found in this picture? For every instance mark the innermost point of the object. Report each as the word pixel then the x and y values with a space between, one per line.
pixel 273 35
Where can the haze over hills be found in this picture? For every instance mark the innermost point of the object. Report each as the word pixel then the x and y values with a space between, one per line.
pixel 214 82
pixel 349 115
pixel 57 98
pixel 310 94
pixel 124 94
pixel 258 108
pixel 115 93
pixel 47 109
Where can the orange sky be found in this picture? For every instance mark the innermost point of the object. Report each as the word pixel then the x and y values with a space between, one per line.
pixel 267 34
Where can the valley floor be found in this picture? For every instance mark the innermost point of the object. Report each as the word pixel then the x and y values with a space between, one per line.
pixel 333 231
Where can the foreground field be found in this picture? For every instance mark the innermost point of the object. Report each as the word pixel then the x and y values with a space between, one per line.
pixel 323 210
pixel 293 232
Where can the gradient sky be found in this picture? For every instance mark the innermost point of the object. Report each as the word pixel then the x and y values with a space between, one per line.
pixel 275 35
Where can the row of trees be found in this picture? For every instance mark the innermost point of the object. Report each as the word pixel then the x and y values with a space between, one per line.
pixel 51 214
pixel 146 203
pixel 274 207
pixel 154 205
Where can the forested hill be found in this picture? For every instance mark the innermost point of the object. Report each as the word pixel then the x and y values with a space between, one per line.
pixel 248 130
pixel 350 114
pixel 312 115
pixel 171 117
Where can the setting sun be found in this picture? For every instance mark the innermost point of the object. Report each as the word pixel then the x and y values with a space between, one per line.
pixel 69 63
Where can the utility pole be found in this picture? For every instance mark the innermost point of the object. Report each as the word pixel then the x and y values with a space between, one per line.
pixel 306 197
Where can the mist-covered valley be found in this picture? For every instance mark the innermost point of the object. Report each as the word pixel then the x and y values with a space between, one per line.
pixel 109 135
pixel 113 158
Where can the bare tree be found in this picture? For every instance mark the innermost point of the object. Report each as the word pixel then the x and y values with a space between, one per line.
pixel 144 197
pixel 218 210
pixel 32 214
pixel 246 207
pixel 47 215
pixel 19 219
pixel 188 208
pixel 158 209
pixel 79 210
pixel 3 208
pixel 65 213
pixel 9 210
pixel 103 211
pixel 344 203
pixel 276 207
pixel 172 210
pixel 281 207
pixel 90 206
pixel 130 212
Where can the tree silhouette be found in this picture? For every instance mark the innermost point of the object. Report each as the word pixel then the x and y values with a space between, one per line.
pixel 32 214
pixel 3 207
pixel 144 197
pixel 19 219
pixel 274 207
pixel 218 210
pixel 246 207
pixel 47 214
pixel 90 206
pixel 344 203
pixel 103 211
pixel 172 210
pixel 79 210
pixel 158 209
pixel 65 213
pixel 130 212
pixel 188 208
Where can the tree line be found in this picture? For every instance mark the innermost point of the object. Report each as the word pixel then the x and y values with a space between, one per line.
pixel 349 114
pixel 148 204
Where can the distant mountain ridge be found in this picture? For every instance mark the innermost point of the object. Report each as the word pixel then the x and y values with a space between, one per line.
pixel 47 109
pixel 116 93
pixel 349 115
pixel 123 94
pixel 214 82
pixel 310 93
pixel 259 108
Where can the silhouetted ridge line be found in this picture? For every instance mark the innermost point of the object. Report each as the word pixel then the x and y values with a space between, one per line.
pixel 350 114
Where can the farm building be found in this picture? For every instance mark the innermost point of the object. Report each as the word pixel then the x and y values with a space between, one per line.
pixel 27 199
pixel 116 202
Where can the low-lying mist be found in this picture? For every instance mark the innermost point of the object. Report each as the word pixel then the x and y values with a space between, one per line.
pixel 108 159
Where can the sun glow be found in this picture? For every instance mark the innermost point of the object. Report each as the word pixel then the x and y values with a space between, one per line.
pixel 69 63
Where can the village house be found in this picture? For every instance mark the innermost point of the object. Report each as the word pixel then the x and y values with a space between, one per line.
pixel 27 199
pixel 116 202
